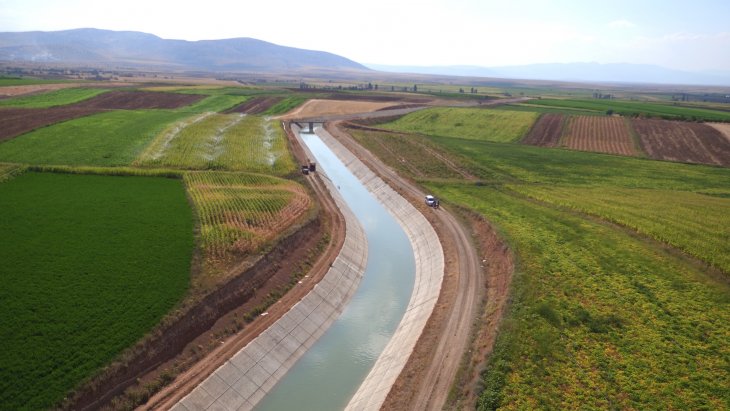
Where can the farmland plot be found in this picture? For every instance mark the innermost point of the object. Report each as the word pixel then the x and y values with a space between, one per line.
pixel 693 222
pixel 466 123
pixel 600 134
pixel 59 97
pixel 685 142
pixel 89 265
pixel 218 141
pixel 137 100
pixel 546 131
pixel 239 213
pixel 600 317
pixel 113 138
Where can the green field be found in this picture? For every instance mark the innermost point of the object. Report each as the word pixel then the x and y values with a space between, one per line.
pixel 90 264
pixel 602 316
pixel 216 103
pixel 238 213
pixel 285 105
pixel 467 123
pixel 113 138
pixel 221 141
pixel 636 108
pixel 696 223
pixel 599 319
pixel 25 81
pixel 60 97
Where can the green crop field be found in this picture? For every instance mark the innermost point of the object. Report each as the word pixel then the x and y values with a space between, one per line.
pixel 468 123
pixel 238 214
pixel 90 264
pixel 221 141
pixel 636 108
pixel 108 139
pixel 216 103
pixel 25 81
pixel 60 97
pixel 285 105
pixel 602 316
pixel 696 223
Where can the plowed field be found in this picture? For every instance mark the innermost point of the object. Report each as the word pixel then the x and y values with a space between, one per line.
pixel 686 142
pixel 724 128
pixel 136 100
pixel 546 132
pixel 15 121
pixel 256 105
pixel 600 134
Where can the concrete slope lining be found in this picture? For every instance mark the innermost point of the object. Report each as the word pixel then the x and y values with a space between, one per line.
pixel 248 376
pixel 429 259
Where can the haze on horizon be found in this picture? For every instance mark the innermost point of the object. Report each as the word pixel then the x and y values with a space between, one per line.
pixel 674 34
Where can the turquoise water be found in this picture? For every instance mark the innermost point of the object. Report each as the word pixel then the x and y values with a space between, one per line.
pixel 329 374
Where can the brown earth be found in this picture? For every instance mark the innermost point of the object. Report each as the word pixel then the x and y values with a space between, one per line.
pixel 724 128
pixel 427 379
pixel 17 121
pixel 683 141
pixel 599 134
pixel 225 348
pixel 318 108
pixel 256 105
pixel 138 100
pixel 546 131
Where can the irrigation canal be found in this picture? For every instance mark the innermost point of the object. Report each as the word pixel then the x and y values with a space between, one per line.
pixel 329 374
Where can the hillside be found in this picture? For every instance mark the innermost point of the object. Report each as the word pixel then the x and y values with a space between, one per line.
pixel 129 48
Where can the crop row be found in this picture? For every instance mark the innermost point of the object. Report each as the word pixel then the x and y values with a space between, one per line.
pixel 239 213
pixel 218 141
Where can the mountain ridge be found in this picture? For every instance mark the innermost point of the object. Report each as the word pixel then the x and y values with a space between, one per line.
pixel 97 46
pixel 574 72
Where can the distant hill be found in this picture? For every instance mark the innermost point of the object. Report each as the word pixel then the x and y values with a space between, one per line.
pixel 130 48
pixel 577 72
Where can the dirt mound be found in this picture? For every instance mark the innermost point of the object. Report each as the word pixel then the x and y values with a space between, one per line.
pixel 546 131
pixel 683 141
pixel 136 100
pixel 256 105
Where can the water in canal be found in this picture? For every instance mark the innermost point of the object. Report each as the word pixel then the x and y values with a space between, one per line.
pixel 329 374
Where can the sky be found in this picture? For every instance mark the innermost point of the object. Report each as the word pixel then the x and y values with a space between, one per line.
pixel 686 35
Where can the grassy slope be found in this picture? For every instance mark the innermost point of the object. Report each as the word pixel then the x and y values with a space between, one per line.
pixel 108 139
pixel 90 263
pixel 600 318
pixel 468 123
pixel 54 98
